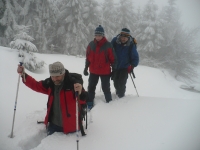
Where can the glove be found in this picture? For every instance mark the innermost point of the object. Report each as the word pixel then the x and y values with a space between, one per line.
pixel 112 75
pixel 85 72
pixel 130 69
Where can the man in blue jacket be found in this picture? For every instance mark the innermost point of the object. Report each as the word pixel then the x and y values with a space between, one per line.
pixel 127 58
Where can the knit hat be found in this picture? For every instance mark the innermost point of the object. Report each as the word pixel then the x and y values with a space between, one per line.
pixel 99 30
pixel 56 69
pixel 125 32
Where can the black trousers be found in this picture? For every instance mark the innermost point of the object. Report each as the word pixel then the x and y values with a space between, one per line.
pixel 105 82
pixel 120 78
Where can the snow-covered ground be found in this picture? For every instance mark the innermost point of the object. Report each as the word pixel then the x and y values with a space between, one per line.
pixel 164 117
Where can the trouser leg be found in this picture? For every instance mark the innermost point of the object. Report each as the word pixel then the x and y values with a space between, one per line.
pixel 53 128
pixel 120 80
pixel 105 81
pixel 92 83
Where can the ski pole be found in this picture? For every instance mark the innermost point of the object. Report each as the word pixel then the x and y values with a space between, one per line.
pixel 11 135
pixel 133 81
pixel 77 118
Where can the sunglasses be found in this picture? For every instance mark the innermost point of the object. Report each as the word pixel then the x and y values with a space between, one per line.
pixel 124 35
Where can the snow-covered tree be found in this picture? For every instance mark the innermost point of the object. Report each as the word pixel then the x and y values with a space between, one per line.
pixel 149 33
pixel 23 42
pixel 2 27
pixel 41 16
pixel 109 19
pixel 9 18
pixel 71 35
pixel 125 15
pixel 178 48
pixel 91 17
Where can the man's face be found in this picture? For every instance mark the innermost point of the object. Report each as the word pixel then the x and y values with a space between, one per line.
pixel 123 39
pixel 57 80
pixel 98 37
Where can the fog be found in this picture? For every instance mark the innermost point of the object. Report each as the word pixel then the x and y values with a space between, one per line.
pixel 189 9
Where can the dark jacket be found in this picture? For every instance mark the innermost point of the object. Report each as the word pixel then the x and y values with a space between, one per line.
pixel 67 98
pixel 100 56
pixel 125 56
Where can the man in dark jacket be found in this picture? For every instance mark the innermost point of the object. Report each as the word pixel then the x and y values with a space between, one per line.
pixel 99 58
pixel 60 88
pixel 127 59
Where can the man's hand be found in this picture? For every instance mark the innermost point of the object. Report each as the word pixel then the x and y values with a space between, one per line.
pixel 130 69
pixel 78 87
pixel 20 70
pixel 85 72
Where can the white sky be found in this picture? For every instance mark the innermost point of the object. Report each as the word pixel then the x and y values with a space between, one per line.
pixel 190 10
pixel 164 117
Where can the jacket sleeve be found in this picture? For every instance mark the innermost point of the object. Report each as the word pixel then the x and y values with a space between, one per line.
pixel 134 56
pixel 35 85
pixel 87 62
pixel 112 58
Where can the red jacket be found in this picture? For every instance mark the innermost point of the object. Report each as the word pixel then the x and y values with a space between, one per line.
pixel 100 56
pixel 67 99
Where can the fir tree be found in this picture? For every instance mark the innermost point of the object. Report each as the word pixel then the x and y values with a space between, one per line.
pixel 23 42
pixel 125 15
pixel 149 32
pixel 91 17
pixel 109 19
pixel 71 34
pixel 41 15
pixel 9 18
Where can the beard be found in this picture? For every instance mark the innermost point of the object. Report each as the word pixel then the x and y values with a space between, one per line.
pixel 58 82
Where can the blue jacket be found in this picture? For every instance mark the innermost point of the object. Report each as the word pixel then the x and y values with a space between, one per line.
pixel 124 57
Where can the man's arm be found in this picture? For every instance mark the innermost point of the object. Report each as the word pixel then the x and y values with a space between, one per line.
pixel 134 56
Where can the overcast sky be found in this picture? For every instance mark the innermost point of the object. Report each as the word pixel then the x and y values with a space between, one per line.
pixel 190 10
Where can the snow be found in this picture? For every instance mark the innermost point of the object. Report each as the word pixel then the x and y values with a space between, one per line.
pixel 164 117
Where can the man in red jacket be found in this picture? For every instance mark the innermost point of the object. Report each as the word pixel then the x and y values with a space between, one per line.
pixel 99 58
pixel 60 88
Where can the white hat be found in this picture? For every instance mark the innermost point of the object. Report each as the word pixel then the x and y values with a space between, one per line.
pixel 56 69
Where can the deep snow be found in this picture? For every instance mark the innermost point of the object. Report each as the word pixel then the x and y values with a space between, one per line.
pixel 164 117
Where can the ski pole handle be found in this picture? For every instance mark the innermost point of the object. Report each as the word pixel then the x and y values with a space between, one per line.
pixel 76 93
pixel 20 63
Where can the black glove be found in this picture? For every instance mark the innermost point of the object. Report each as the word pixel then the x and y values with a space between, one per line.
pixel 112 75
pixel 85 72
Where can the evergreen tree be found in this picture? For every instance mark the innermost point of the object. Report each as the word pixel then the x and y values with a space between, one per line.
pixel 109 19
pixel 149 31
pixel 71 34
pixel 91 17
pixel 41 15
pixel 178 48
pixel 125 15
pixel 2 27
pixel 9 18
pixel 23 42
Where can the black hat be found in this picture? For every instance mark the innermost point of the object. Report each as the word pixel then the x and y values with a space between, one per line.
pixel 125 32
pixel 99 30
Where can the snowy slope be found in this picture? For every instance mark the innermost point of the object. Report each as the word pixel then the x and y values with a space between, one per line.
pixel 164 117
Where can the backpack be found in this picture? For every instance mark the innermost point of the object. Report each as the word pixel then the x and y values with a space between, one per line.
pixel 130 47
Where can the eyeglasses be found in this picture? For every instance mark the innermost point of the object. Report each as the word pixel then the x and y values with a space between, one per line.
pixel 124 35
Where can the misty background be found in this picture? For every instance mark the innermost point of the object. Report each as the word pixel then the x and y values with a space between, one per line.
pixel 167 32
